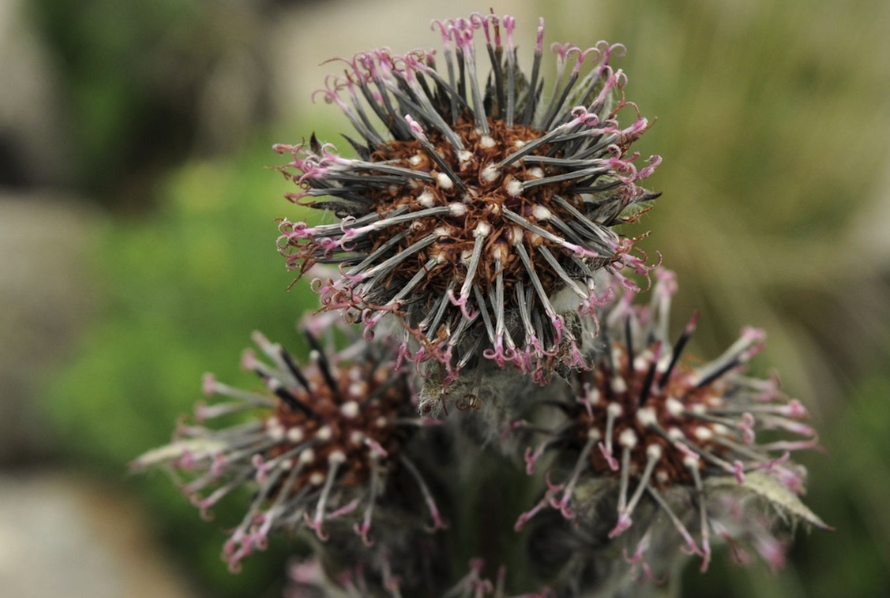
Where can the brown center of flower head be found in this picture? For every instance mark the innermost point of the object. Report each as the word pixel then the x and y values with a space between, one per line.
pixel 479 216
pixel 347 411
pixel 623 413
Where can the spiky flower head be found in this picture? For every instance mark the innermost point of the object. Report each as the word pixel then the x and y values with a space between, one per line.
pixel 473 200
pixel 689 448
pixel 318 446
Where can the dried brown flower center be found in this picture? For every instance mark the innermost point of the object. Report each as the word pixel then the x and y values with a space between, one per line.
pixel 663 403
pixel 361 411
pixel 479 211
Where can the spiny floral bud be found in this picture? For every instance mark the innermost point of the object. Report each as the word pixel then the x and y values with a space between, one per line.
pixel 477 201
pixel 677 437
pixel 320 447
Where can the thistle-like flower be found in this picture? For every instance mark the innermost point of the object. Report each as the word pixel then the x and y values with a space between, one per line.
pixel 473 200
pixel 319 450
pixel 687 443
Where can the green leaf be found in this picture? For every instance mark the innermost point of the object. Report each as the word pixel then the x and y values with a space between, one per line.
pixel 772 491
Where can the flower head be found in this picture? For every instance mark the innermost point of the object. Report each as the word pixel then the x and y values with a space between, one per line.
pixel 687 440
pixel 323 441
pixel 473 200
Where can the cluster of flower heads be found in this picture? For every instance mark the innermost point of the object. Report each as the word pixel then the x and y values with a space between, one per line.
pixel 662 430
pixel 480 217
pixel 326 437
pixel 473 200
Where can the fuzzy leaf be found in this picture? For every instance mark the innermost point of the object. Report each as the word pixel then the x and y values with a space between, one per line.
pixel 771 490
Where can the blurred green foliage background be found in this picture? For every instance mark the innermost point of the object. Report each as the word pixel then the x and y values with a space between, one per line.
pixel 182 290
pixel 773 121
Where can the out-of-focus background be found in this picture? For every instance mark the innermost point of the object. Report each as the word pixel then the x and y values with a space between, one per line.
pixel 137 248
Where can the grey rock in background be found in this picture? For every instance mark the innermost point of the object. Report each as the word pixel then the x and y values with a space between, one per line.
pixel 45 300
pixel 62 536
pixel 31 132
pixel 44 295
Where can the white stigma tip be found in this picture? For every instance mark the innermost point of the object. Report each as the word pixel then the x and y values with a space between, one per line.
pixel 627 438
pixel 457 209
pixel 444 181
pixel 514 187
pixel 490 173
pixel 482 229
pixel 349 409
pixel 594 434
pixel 426 199
pixel 646 416
pixel 381 422
pixel 337 457
pixel 541 213
pixel 720 429
pixel 307 456
pixel 464 156
pixel 358 389
pixel 487 142
pixel 614 409
pixel 619 386
pixel 316 479
pixel 674 407
pixel 415 160
pixel 594 397
pixel 536 173
pixel 653 451
pixel 703 433
pixel 295 435
pixel 356 438
pixel 323 433
pixel 675 434
pixel 519 143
